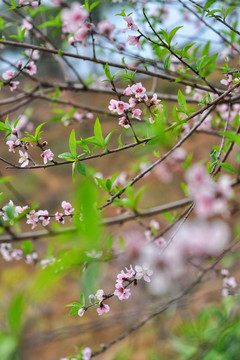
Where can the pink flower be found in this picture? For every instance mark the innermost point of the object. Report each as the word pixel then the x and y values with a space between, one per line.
pixel 12 145
pixel 224 186
pixel 26 24
pixel 13 85
pixel 228 82
pixel 124 122
pixel 81 34
pixel 67 207
pixel 134 40
pixel 33 54
pixel 43 216
pixel 81 312
pixel 128 91
pixel 106 28
pixel 23 158
pixel 224 272
pixel 59 217
pixel 130 24
pixel 113 105
pixel 160 242
pixel 89 116
pixel 102 309
pixel 121 277
pixel 121 293
pixel 74 17
pixel 132 102
pixel 121 107
pixel 139 90
pixel 8 75
pixel 19 64
pixel 35 4
pixel 130 272
pixel 31 68
pixel 86 354
pixel 32 218
pixel 154 224
pixel 137 113
pixel 57 2
pixel 47 155
pixel 143 272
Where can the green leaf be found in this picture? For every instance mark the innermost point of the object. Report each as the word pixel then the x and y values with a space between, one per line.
pixel 98 132
pixel 102 183
pixel 72 143
pixel 67 156
pixel 228 11
pixel 110 243
pixel 173 32
pixel 209 3
pixel 122 13
pixel 74 310
pixel 74 171
pixel 167 62
pixel 37 131
pixel 81 168
pixel 231 136
pixel 121 243
pixel 107 138
pixel 5 179
pixel 93 5
pixel 82 299
pixel 107 72
pixel 184 188
pixel 228 167
pixel 15 313
pixel 27 247
pixel 213 155
pixel 182 101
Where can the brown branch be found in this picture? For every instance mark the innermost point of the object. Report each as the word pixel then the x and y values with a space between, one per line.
pixel 184 138
pixel 216 17
pixel 102 62
pixel 209 26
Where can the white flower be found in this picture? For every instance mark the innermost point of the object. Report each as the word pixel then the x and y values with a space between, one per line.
pixel 143 272
pixel 23 158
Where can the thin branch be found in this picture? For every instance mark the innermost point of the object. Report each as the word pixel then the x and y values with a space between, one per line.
pixel 216 17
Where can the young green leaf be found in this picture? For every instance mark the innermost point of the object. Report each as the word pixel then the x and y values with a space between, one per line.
pixel 81 168
pixel 72 143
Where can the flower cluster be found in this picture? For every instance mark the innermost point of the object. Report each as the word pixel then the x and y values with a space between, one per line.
pixel 138 95
pixel 8 77
pixel 74 23
pixel 8 254
pixel 47 154
pixel 124 279
pixel 34 4
pixel 33 217
pixel 171 256
pixel 210 197
pixel 229 283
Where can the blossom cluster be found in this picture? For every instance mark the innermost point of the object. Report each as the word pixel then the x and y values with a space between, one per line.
pixel 210 197
pixel 30 67
pixel 170 256
pixel 229 283
pixel 33 217
pixel 124 279
pixel 24 158
pixel 8 254
pixel 138 95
